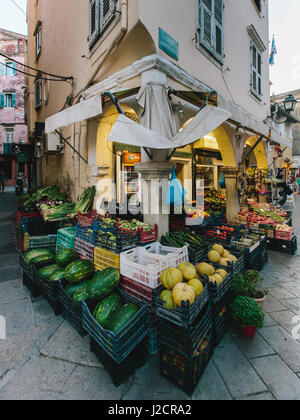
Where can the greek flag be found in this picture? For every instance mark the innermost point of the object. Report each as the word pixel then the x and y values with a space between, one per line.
pixel 273 52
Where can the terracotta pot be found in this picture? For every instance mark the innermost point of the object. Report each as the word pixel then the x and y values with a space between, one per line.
pixel 249 332
pixel 261 302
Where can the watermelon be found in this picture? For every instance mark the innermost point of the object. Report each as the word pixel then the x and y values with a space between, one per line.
pixel 47 271
pixel 65 256
pixel 103 283
pixel 106 309
pixel 78 271
pixel 34 253
pixel 79 296
pixel 122 317
pixel 71 289
pixel 46 258
pixel 58 275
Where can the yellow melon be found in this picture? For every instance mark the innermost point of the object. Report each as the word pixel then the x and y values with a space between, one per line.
pixel 188 270
pixel 216 278
pixel 214 256
pixel 219 248
pixel 223 273
pixel 226 253
pixel 197 286
pixel 224 262
pixel 205 269
pixel 232 258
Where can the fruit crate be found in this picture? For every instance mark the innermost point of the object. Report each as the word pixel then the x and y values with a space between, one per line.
pixel 152 341
pixel 285 236
pixel 84 249
pixel 236 267
pixel 35 242
pixel 187 340
pixel 36 226
pixel 105 259
pixel 87 219
pixel 119 372
pixel 116 242
pixel 27 268
pixel 27 214
pixel 50 289
pixel 145 264
pixel 137 290
pixel 146 237
pixel 217 292
pixel 31 286
pixel 87 233
pixel 181 316
pixel 285 247
pixel 118 346
pixel 222 317
pixel 65 238
pixel 183 371
pixel 196 256
pixel 71 310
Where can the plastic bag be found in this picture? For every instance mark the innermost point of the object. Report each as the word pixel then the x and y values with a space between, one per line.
pixel 176 192
pixel 222 182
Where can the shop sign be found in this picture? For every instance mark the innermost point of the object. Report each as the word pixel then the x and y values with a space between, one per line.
pixel 168 44
pixel 131 158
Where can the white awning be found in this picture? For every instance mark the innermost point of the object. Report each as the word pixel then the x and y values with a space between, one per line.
pixel 128 132
pixel 89 108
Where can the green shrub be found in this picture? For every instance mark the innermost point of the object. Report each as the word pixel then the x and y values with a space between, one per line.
pixel 248 312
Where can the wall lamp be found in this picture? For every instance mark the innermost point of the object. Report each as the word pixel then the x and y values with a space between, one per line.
pixel 289 105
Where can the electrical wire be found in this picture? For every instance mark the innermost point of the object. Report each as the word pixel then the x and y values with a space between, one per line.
pixel 34 69
pixel 37 77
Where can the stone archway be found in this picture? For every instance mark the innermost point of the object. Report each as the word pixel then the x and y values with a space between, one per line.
pixel 259 152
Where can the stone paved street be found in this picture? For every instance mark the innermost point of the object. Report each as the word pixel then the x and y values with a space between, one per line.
pixel 43 357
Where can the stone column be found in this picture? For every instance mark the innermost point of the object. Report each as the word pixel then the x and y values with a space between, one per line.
pixel 153 173
pixel 232 196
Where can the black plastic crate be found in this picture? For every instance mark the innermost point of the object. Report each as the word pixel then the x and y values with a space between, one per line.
pixel 152 341
pixel 187 340
pixel 217 292
pixel 182 316
pixel 71 310
pixel 196 256
pixel 121 344
pixel 120 372
pixel 31 286
pixel 286 247
pixel 26 267
pixel 183 371
pixel 272 244
pixel 222 317
pixel 36 226
pixel 50 291
pixel 117 244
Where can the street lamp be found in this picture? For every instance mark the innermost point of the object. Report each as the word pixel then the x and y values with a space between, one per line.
pixel 290 104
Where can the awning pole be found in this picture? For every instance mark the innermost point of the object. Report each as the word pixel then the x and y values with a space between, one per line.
pixel 173 92
pixel 69 144
pixel 252 148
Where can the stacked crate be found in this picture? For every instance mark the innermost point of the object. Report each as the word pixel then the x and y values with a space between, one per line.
pixel 65 238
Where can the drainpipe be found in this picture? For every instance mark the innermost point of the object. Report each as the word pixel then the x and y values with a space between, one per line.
pixel 122 32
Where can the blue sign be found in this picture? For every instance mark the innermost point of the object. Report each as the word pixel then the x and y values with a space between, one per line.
pixel 168 44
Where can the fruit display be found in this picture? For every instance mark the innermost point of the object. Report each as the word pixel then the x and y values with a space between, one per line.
pixel 38 253
pixel 214 200
pixel 221 256
pixel 48 271
pixel 170 277
pixel 182 292
pixel 106 309
pixel 65 256
pixel 208 270
pixel 78 271
pixel 122 317
pixel 103 283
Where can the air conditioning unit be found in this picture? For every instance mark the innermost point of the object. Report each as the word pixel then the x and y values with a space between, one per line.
pixel 53 143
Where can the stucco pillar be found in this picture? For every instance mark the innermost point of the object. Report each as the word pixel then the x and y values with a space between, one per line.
pixel 154 176
pixel 232 196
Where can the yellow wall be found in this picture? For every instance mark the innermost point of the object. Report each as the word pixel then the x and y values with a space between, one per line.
pixel 259 152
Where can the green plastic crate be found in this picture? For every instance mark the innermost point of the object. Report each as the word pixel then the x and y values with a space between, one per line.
pixel 65 238
pixel 35 242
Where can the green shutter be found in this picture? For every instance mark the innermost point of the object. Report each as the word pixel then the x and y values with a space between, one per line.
pixel 212 27
pixel 13 102
pixel 94 19
pixel 2 100
pixel 107 8
pixel 14 65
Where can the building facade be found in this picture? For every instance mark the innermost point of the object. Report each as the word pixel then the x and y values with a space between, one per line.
pixel 13 129
pixel 193 47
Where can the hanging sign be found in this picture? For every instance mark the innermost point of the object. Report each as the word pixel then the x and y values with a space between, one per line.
pixel 168 44
pixel 131 158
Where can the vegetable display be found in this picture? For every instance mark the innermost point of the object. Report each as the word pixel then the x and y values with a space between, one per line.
pixel 86 201
pixel 103 283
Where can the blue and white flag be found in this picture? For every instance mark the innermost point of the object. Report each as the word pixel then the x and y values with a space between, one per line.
pixel 273 52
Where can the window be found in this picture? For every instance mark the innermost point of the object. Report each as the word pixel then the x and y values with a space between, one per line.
pixel 102 13
pixel 9 68
pixel 7 100
pixel 9 135
pixel 38 90
pixel 211 27
pixel 256 72
pixel 38 39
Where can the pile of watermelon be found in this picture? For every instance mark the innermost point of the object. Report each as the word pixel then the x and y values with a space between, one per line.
pixel 83 283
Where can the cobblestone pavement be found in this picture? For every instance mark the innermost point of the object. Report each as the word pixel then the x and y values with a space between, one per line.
pixel 43 357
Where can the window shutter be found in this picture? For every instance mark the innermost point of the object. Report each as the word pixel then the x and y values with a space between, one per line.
pixel 94 14
pixel 13 100
pixel 2 100
pixel 206 23
pixel 107 8
pixel 218 28
pixel 14 65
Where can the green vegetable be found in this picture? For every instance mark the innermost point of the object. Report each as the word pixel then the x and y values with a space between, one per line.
pixel 71 289
pixel 103 283
pixel 78 271
pixel 86 201
pixel 65 256
pixel 106 309
pixel 30 255
pixel 122 317
pixel 48 271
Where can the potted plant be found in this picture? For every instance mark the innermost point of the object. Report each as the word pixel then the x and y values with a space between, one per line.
pixel 247 284
pixel 249 314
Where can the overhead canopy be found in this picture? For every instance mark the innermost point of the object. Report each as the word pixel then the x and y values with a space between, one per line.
pixel 89 108
pixel 206 121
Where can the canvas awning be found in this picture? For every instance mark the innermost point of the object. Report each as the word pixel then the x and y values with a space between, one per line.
pixel 89 108
pixel 206 121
